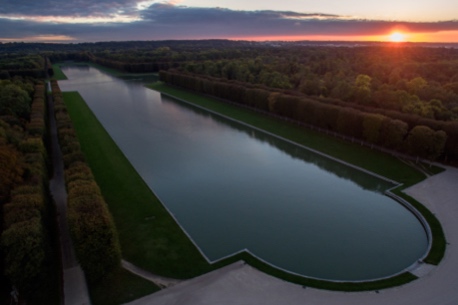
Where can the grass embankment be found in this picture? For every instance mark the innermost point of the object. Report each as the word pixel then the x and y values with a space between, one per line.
pixel 58 74
pixel 149 236
pixel 120 287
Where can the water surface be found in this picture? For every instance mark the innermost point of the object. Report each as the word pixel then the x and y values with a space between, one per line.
pixel 233 188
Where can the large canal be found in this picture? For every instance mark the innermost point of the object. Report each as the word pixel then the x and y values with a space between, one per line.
pixel 233 188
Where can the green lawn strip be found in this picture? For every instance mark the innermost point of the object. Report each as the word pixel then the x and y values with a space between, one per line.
pixel 398 280
pixel 437 251
pixel 364 157
pixel 338 286
pixel 149 236
pixel 58 74
pixel 120 287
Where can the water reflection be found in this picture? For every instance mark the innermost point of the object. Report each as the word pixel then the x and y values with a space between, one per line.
pixel 364 180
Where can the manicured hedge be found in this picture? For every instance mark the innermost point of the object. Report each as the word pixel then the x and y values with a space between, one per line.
pixel 93 232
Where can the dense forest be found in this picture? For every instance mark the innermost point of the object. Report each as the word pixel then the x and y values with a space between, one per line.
pixel 27 229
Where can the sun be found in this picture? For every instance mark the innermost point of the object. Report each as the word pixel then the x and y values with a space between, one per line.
pixel 397 37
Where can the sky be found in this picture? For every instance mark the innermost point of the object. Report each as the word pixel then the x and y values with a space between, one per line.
pixel 326 20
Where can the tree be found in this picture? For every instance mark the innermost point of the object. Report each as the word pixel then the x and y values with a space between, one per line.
pixel 362 89
pixel 349 122
pixel 372 125
pixel 14 100
pixel 4 74
pixel 23 246
pixel 11 169
pixel 393 133
pixel 426 143
pixel 416 85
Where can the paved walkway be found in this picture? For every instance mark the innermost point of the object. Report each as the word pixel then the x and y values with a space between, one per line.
pixel 241 284
pixel 75 289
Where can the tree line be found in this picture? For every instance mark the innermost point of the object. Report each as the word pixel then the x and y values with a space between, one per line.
pixel 424 138
pixel 411 79
pixel 28 239
pixel 24 65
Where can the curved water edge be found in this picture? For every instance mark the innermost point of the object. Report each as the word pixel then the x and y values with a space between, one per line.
pixel 388 192
pixel 131 106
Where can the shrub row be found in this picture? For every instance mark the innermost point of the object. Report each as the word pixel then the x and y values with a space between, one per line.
pixel 37 125
pixel 93 232
pixel 25 240
pixel 425 140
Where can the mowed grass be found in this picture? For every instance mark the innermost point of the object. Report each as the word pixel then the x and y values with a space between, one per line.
pixel 149 236
pixel 120 287
pixel 58 74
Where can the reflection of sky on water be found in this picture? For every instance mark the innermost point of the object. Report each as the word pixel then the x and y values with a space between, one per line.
pixel 233 188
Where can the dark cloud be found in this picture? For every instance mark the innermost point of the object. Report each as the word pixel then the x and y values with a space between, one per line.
pixel 75 8
pixel 216 22
pixel 167 21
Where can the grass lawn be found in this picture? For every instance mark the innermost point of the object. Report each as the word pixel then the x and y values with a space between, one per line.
pixel 120 287
pixel 149 236
pixel 58 74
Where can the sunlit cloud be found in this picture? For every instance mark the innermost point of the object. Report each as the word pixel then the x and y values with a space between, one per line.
pixel 144 4
pixel 305 17
pixel 42 38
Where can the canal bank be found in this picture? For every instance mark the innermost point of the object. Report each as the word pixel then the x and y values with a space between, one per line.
pixel 240 284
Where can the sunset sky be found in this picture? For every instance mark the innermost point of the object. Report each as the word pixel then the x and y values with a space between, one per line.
pixel 114 20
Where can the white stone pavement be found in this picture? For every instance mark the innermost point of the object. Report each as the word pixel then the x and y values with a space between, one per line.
pixel 240 284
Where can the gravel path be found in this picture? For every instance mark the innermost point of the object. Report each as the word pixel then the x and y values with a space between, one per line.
pixel 241 284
